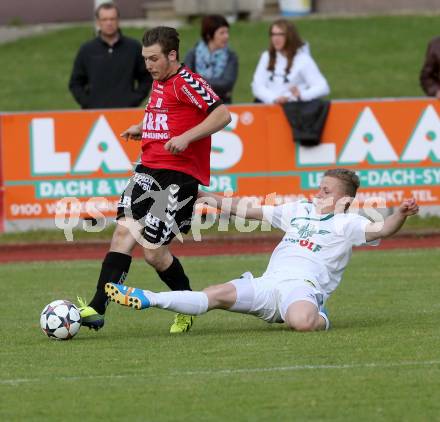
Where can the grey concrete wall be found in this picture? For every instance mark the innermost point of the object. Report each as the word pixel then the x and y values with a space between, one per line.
pixel 54 11
pixel 196 7
pixel 57 11
pixel 375 6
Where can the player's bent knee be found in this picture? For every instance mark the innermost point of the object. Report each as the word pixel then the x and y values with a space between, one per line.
pixel 302 316
pixel 221 296
pixel 302 322
pixel 152 257
pixel 302 325
pixel 122 239
pixel 159 258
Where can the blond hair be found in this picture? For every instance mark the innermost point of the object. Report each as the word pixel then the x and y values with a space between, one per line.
pixel 350 180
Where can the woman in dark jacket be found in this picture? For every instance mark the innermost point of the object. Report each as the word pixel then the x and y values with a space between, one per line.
pixel 212 58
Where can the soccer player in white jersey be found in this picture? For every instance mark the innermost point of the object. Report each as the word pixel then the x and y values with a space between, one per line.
pixel 305 267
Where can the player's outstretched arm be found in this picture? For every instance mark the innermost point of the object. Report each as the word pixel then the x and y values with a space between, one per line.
pixel 133 132
pixel 236 206
pixel 392 223
pixel 215 121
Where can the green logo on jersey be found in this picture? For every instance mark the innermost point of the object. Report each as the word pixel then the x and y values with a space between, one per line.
pixel 307 230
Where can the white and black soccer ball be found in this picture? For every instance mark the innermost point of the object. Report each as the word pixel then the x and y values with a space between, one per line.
pixel 60 320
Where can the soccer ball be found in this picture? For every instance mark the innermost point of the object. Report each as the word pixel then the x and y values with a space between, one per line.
pixel 60 320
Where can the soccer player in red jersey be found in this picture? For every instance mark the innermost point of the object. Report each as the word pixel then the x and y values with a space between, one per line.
pixel 157 204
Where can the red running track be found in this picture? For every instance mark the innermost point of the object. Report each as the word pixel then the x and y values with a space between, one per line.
pixel 234 246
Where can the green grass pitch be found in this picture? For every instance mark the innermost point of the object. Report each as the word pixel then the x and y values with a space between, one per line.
pixel 380 361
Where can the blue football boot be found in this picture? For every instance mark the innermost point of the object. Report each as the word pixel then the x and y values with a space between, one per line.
pixel 324 313
pixel 127 296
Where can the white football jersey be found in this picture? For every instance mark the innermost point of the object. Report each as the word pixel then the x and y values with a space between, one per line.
pixel 315 247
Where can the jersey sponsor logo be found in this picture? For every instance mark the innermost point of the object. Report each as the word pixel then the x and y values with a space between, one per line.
pixel 125 202
pixel 303 233
pixel 193 99
pixel 304 243
pixel 144 181
pixel 156 135
pixel 198 87
pixel 151 225
pixel 155 121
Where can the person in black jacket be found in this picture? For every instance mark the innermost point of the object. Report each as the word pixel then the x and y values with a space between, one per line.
pixel 213 59
pixel 430 73
pixel 109 71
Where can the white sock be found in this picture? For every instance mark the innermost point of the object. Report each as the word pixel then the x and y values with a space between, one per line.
pixel 327 322
pixel 182 301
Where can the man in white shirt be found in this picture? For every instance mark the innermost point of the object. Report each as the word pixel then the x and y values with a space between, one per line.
pixel 305 267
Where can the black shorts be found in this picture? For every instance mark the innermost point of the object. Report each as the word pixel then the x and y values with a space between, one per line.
pixel 162 201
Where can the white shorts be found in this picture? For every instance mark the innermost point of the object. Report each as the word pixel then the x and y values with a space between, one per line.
pixel 268 297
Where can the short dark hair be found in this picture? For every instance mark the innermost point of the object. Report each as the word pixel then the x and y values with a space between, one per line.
pixel 166 37
pixel 348 177
pixel 106 6
pixel 210 24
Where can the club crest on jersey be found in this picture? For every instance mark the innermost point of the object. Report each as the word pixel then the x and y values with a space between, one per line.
pixel 307 230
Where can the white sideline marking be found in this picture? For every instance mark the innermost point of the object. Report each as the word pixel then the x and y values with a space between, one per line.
pixel 308 367
pixel 16 381
pixel 13 381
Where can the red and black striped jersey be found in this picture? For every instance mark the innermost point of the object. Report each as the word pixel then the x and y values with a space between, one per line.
pixel 175 106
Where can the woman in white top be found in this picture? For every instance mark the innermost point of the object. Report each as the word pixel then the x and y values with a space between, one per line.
pixel 287 72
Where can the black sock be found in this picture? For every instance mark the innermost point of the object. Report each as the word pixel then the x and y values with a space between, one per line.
pixel 114 270
pixel 174 276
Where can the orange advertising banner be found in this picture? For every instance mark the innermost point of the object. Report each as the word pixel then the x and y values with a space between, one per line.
pixel 393 144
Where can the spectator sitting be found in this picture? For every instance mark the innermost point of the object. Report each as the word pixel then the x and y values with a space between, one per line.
pixel 109 71
pixel 212 59
pixel 287 72
pixel 430 73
